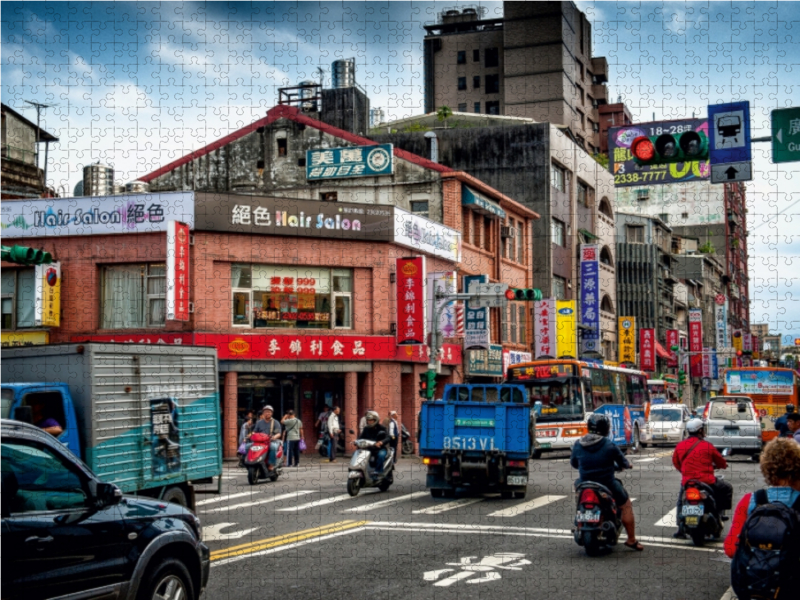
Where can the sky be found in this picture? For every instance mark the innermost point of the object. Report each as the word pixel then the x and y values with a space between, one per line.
pixel 137 85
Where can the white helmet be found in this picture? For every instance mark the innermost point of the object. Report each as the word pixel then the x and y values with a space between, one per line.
pixel 694 425
pixel 372 415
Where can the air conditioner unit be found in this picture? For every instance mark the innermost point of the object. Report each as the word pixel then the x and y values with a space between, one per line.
pixel 508 232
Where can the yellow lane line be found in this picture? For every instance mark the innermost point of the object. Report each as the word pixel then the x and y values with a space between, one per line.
pixel 288 538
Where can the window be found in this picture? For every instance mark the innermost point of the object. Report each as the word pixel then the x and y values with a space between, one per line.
pixel 581 119
pixel 461 57
pixel 419 207
pixel 581 96
pixel 476 56
pixel 559 287
pixel 605 208
pixel 42 480
pixel 477 108
pixel 605 256
pixel 520 252
pixel 642 195
pixel 583 194
pixel 282 147
pixel 493 108
pixel 492 57
pixel 462 83
pixel 18 295
pixel 558 233
pixel 606 304
pixel 133 296
pixel 265 296
pixel 462 107
pixel 476 82
pixel 512 309
pixel 493 84
pixel 558 177
pixel 329 196
pixel 487 233
pixel 634 234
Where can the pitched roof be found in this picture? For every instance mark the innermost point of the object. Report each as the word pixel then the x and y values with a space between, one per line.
pixel 44 136
pixel 292 113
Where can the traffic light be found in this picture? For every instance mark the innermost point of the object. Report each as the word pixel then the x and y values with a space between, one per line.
pixel 529 294
pixel 427 384
pixel 26 256
pixel 681 377
pixel 670 148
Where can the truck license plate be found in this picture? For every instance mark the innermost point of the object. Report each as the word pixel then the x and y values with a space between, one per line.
pixel 688 509
pixel 544 446
pixel 588 516
pixel 517 480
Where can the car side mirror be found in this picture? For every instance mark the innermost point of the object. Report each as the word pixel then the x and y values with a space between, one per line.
pixel 24 414
pixel 108 494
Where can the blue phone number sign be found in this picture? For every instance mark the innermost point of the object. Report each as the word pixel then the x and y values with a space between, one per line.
pixel 355 161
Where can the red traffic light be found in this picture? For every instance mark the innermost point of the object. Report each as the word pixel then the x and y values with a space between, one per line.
pixel 642 148
pixel 510 294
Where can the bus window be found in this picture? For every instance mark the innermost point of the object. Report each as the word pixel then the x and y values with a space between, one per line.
pixel 478 393
pixel 602 387
pixel 638 388
pixel 463 393
pixel 558 396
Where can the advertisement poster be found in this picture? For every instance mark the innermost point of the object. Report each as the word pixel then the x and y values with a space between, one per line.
pixel 647 349
pixel 721 325
pixel 476 320
pixel 695 330
pixel 485 363
pixel 443 283
pixel 672 340
pixel 353 161
pixel 590 297
pixel 177 271
pixel 515 357
pixel 737 340
pixel 621 423
pixel 47 297
pixel 165 437
pixel 778 383
pixel 747 342
pixel 566 329
pixel 627 340
pixel 411 318
pixel 544 327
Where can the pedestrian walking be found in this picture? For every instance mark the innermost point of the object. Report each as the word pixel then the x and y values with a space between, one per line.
pixel 293 427
pixel 394 432
pixel 333 433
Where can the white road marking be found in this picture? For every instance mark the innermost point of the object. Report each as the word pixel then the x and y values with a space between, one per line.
pixel 645 460
pixel 257 502
pixel 728 595
pixel 669 519
pixel 323 502
pixel 440 508
pixel 223 497
pixel 213 532
pixel 518 509
pixel 389 502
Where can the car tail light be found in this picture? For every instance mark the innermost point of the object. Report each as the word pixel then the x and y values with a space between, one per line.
pixel 430 461
pixel 516 463
pixel 693 495
pixel 705 412
pixel 589 497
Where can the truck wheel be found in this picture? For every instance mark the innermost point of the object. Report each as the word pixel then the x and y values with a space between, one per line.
pixel 536 454
pixel 167 580
pixel 175 495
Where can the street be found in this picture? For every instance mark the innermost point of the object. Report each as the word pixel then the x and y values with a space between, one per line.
pixel 403 543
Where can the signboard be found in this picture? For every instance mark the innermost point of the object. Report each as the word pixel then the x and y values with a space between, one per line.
pixel 485 363
pixel 779 383
pixel 707 363
pixel 786 135
pixel 695 330
pixel 590 297
pixel 729 133
pixel 732 172
pixel 672 340
pixel 481 203
pixel 476 320
pixel 47 296
pixel 721 324
pixel 747 342
pixel 16 339
pixel 445 283
pixel 628 173
pixel 177 271
pixel 647 349
pixel 714 367
pixel 411 317
pixel 424 235
pixel 544 327
pixel 95 215
pixel 627 339
pixel 566 328
pixel 515 357
pixel 737 340
pixel 355 161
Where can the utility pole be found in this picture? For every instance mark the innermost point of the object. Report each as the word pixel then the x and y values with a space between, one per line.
pixel 39 108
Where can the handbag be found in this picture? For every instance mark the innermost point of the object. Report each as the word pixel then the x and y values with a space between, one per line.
pixel 302 445
pixel 243 448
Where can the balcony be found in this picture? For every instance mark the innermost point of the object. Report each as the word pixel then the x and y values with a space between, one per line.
pixel 600 70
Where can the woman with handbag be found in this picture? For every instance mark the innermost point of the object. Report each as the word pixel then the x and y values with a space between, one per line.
pixel 294 428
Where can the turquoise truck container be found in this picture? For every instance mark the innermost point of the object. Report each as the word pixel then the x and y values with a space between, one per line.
pixel 144 417
pixel 478 436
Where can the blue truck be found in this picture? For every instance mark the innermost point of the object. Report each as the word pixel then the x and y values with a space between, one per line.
pixel 479 437
pixel 144 417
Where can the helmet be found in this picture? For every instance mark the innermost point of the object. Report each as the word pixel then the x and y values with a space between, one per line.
pixel 790 408
pixel 694 426
pixel 599 424
pixel 372 415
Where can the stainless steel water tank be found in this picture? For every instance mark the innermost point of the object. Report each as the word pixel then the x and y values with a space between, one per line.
pixel 137 187
pixel 98 180
pixel 344 73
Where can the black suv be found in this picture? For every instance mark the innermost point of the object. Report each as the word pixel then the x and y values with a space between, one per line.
pixel 66 534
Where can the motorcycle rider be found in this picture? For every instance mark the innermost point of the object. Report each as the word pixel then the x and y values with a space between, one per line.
pixel 266 424
pixel 696 459
pixel 596 458
pixel 375 432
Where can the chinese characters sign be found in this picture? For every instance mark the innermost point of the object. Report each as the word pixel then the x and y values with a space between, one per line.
pixel 445 283
pixel 411 318
pixel 590 297
pixel 627 339
pixel 424 235
pixel 47 300
pixel 721 325
pixel 672 340
pixel 476 334
pixel 544 327
pixel 514 357
pixel 488 363
pixel 177 271
pixel 355 161
pixel 695 330
pixel 647 349
pixel 566 328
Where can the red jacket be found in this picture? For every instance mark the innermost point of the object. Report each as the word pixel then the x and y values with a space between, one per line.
pixel 701 462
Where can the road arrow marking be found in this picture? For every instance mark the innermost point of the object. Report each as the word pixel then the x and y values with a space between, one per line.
pixel 213 533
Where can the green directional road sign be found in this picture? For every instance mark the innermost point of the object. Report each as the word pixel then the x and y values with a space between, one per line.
pixel 786 135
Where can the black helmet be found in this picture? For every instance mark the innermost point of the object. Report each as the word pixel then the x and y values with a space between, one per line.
pixel 599 424
pixel 790 408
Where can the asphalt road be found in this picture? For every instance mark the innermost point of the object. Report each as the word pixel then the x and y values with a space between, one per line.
pixel 304 537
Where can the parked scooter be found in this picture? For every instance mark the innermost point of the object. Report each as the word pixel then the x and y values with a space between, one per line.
pixel 256 460
pixel 323 444
pixel 407 444
pixel 362 472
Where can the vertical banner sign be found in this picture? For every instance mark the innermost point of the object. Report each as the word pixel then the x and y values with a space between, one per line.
pixel 544 327
pixel 747 342
pixel 442 283
pixel 721 324
pixel 590 301
pixel 177 271
pixel 714 365
pixel 756 347
pixel 627 340
pixel 411 318
pixel 707 363
pixel 672 340
pixel 647 349
pixel 476 320
pixel 566 328
pixel 737 340
pixel 47 298
pixel 695 330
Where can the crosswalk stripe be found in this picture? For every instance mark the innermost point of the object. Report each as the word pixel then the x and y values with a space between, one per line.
pixel 440 508
pixel 389 502
pixel 222 508
pixel 669 519
pixel 646 460
pixel 517 509
pixel 224 497
pixel 323 502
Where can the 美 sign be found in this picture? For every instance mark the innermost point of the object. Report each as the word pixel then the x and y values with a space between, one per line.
pixel 355 161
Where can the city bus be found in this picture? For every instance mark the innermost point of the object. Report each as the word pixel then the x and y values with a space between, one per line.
pixel 663 390
pixel 770 389
pixel 564 392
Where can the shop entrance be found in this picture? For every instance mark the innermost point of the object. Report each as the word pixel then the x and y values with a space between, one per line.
pixel 256 390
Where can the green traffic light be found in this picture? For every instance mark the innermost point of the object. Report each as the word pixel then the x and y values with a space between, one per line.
pixel 22 255
pixel 526 294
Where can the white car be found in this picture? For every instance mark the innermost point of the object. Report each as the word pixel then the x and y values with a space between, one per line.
pixel 665 425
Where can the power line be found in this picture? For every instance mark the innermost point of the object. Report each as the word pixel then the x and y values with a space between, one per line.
pixel 776 214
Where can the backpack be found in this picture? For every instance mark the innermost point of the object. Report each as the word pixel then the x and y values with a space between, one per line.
pixel 767 561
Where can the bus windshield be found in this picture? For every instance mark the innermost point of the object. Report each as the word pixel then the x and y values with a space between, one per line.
pixel 555 399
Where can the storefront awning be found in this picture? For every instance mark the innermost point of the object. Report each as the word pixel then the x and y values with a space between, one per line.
pixel 589 235
pixel 661 352
pixel 481 203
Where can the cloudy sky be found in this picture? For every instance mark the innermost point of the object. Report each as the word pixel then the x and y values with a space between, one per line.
pixel 136 85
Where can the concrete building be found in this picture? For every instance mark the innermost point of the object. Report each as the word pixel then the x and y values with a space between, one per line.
pixel 612 115
pixel 21 175
pixel 535 62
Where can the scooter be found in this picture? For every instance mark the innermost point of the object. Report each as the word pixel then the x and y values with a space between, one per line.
pixel 699 516
pixel 597 520
pixel 407 443
pixel 323 444
pixel 362 472
pixel 256 460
